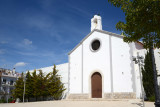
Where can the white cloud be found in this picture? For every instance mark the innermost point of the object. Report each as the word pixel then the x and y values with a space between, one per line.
pixel 3 42
pixel 27 42
pixel 19 64
pixel 2 51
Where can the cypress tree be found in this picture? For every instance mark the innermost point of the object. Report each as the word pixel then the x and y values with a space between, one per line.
pixel 148 78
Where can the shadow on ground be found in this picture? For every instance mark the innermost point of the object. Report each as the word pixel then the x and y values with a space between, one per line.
pixel 139 104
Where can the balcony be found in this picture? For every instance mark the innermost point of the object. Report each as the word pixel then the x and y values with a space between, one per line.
pixel 9 75
pixel 3 83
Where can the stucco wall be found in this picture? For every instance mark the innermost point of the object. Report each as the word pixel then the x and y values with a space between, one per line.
pixel 101 61
pixel 96 62
pixel 157 60
pixel 75 64
pixel 122 76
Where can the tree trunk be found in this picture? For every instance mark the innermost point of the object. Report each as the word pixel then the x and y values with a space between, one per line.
pixel 157 96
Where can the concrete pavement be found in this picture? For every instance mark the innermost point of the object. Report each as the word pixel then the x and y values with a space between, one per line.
pixel 74 103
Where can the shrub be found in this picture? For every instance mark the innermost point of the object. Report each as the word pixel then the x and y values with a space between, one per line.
pixel 2 101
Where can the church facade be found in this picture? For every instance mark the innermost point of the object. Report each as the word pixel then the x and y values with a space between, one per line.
pixel 101 66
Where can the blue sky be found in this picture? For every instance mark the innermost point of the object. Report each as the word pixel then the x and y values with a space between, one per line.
pixel 40 33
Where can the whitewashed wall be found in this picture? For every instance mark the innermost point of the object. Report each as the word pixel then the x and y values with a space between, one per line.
pixel 75 66
pixel 96 62
pixel 157 60
pixel 122 66
pixel 138 48
pixel 90 62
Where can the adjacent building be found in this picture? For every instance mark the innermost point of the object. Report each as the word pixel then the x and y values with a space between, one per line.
pixel 7 82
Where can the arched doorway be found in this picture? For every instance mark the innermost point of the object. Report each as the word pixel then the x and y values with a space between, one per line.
pixel 96 81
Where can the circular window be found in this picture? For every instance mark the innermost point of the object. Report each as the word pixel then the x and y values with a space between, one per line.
pixel 95 45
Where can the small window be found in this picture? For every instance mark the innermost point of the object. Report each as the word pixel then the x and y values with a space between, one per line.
pixel 4 81
pixel 95 45
pixel 11 82
pixel 4 89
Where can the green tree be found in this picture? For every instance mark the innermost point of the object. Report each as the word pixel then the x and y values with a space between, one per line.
pixel 28 86
pixel 45 88
pixel 55 86
pixel 142 24
pixel 147 72
pixel 19 88
pixel 36 92
pixel 42 81
pixel 142 21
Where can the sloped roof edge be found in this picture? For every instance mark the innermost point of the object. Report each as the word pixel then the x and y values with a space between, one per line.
pixel 102 31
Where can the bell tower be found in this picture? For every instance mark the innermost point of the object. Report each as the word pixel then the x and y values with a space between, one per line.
pixel 96 22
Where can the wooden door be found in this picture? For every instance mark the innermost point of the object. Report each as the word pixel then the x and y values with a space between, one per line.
pixel 96 81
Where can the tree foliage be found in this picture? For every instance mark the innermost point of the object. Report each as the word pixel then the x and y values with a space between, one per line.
pixel 147 73
pixel 38 85
pixel 142 20
pixel 142 23
pixel 35 85
pixel 55 86
pixel 29 86
pixel 19 88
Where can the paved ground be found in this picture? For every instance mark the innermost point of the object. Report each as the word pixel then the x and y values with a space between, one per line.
pixel 65 103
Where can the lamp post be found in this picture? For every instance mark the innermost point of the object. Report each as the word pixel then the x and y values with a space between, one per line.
pixel 7 92
pixel 156 89
pixel 24 78
pixel 139 60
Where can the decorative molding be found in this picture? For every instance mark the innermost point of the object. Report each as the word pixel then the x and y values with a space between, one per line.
pixel 111 66
pixel 90 46
pixel 68 73
pixel 82 68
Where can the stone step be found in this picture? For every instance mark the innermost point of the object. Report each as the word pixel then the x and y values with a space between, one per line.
pixel 96 99
pixel 106 96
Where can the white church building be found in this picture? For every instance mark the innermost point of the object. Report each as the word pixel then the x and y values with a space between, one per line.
pixel 101 66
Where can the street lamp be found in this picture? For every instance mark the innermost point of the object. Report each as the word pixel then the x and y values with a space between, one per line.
pixel 24 79
pixel 139 60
